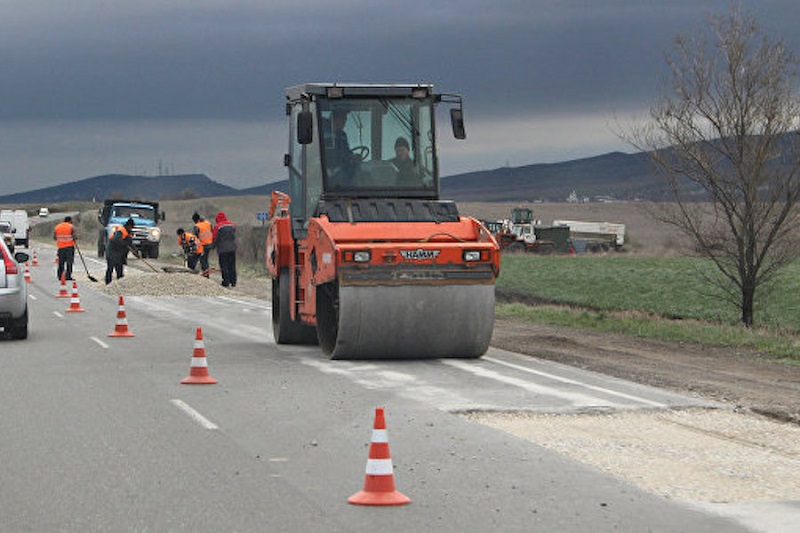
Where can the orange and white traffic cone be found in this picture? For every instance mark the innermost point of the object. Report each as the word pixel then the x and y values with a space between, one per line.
pixel 198 373
pixel 121 329
pixel 62 292
pixel 35 260
pixel 27 273
pixel 379 482
pixel 75 302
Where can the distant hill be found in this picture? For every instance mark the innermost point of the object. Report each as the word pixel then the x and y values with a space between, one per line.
pixel 125 186
pixel 617 175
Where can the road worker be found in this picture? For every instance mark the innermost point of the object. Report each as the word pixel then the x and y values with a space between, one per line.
pixel 64 235
pixel 205 234
pixel 225 243
pixel 192 248
pixel 120 240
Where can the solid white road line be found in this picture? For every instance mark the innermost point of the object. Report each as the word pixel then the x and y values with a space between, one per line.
pixel 251 303
pixel 203 421
pixel 578 383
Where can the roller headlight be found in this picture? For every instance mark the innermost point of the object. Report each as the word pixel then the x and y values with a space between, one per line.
pixel 361 256
pixel 470 256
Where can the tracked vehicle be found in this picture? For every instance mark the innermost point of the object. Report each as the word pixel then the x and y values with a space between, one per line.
pixel 365 259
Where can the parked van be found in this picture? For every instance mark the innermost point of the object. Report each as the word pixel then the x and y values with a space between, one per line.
pixel 43 212
pixel 19 221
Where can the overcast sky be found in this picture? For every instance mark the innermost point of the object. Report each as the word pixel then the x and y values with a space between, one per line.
pixel 91 87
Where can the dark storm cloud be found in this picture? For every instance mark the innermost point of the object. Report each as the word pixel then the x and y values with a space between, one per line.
pixel 231 59
pixel 93 86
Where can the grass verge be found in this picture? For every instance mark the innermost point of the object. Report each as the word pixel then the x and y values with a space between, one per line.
pixel 655 298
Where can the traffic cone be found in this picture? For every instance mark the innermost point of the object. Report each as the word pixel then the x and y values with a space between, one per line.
pixel 75 302
pixel 27 273
pixel 379 482
pixel 121 329
pixel 198 372
pixel 62 292
pixel 35 260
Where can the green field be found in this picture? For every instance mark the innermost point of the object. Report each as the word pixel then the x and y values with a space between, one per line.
pixel 664 298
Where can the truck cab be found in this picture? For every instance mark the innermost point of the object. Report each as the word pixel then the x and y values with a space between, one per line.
pixel 146 217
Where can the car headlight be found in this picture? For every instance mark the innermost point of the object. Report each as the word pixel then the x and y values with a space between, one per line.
pixel 155 234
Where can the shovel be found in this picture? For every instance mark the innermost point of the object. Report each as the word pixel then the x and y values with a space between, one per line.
pixel 91 278
pixel 138 256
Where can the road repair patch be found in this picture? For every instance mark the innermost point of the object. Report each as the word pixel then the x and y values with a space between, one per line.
pixel 693 455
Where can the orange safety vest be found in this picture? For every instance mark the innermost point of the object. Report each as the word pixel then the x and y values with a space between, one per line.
pixel 121 229
pixel 64 235
pixel 185 241
pixel 204 233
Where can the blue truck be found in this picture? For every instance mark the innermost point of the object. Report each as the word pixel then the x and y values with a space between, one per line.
pixel 146 217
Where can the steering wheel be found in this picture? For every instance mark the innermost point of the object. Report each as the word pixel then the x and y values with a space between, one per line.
pixel 361 152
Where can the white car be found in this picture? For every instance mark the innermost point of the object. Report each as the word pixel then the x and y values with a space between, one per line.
pixel 7 234
pixel 13 294
pixel 43 212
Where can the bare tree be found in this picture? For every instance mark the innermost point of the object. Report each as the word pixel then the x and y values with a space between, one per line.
pixel 723 136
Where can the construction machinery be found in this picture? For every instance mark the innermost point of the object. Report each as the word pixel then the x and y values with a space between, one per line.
pixel 593 237
pixel 365 258
pixel 146 217
pixel 521 233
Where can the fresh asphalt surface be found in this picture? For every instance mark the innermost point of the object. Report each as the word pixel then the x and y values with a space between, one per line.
pixel 98 433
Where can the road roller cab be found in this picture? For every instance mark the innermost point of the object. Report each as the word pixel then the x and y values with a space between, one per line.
pixel 365 259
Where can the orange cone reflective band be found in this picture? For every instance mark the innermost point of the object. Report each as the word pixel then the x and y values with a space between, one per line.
pixel 75 302
pixel 379 481
pixel 62 293
pixel 121 329
pixel 198 373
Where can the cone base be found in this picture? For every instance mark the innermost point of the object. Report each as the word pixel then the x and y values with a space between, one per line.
pixel 198 380
pixel 378 498
pixel 81 310
pixel 121 334
pixel 63 295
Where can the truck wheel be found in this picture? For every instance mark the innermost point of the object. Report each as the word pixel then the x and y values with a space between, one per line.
pixel 284 329
pixel 154 251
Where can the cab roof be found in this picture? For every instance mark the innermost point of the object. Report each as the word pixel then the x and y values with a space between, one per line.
pixel 357 89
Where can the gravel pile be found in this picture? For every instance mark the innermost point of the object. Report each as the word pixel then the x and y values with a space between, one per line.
pixel 162 284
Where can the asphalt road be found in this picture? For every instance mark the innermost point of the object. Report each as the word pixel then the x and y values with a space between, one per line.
pixel 97 433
